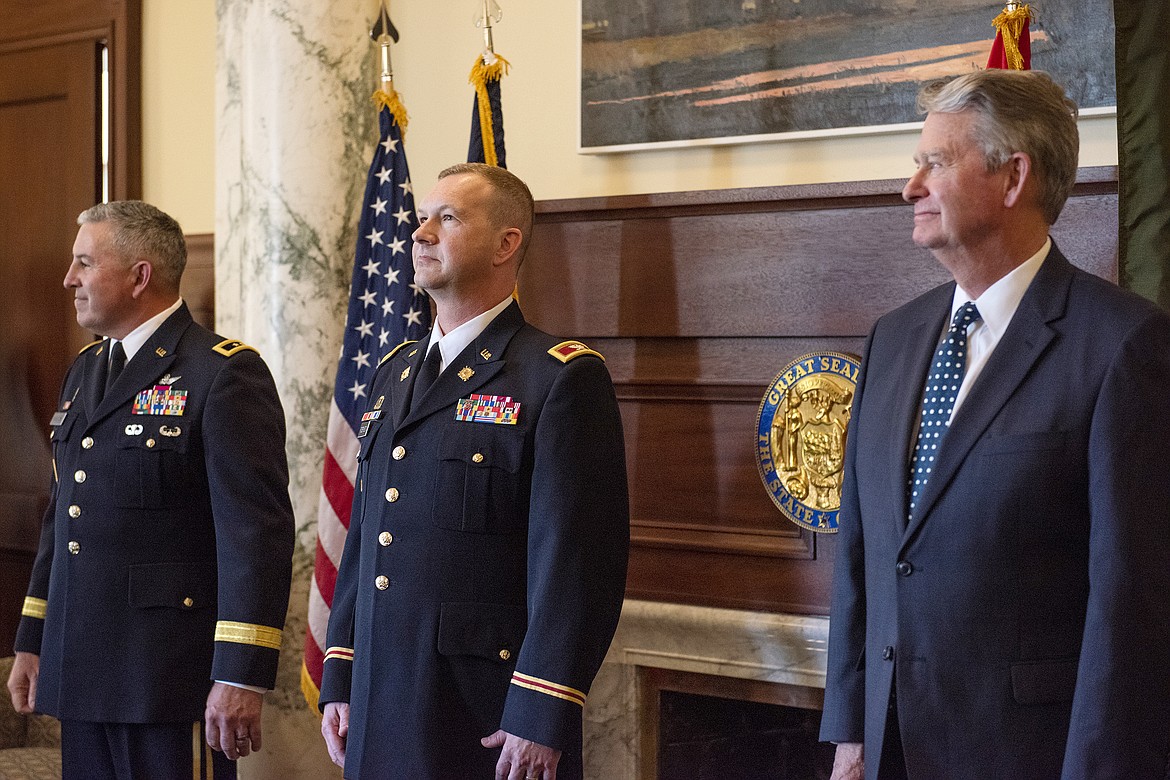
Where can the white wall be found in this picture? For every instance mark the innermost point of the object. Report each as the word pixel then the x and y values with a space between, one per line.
pixel 439 43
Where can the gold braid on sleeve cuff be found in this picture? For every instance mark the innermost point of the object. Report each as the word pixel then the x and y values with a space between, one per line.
pixel 248 634
pixel 34 607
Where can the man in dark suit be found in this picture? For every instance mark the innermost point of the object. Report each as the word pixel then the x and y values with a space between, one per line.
pixel 1004 555
pixel 159 590
pixel 485 565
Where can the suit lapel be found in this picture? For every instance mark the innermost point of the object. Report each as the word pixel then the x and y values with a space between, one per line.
pixel 402 380
pixel 1024 342
pixel 148 364
pixel 481 360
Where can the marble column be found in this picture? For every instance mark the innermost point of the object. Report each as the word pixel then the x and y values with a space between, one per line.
pixel 295 129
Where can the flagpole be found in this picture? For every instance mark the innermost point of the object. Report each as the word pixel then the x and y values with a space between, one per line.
pixel 488 43
pixel 385 308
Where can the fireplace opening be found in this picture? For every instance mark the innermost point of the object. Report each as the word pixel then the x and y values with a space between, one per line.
pixel 712 738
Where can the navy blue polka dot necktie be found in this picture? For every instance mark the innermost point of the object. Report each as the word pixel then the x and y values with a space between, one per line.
pixel 938 399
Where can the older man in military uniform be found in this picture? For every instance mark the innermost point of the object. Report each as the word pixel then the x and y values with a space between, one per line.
pixel 159 590
pixel 485 565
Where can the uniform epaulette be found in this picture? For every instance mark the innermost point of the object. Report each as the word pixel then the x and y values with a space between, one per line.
pixel 394 351
pixel 567 350
pixel 90 346
pixel 229 347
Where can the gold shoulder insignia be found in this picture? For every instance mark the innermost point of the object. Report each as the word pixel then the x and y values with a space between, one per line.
pixel 229 347
pixel 393 352
pixel 90 346
pixel 567 350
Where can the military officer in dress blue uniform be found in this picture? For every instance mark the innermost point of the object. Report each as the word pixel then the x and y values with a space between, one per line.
pixel 485 565
pixel 159 590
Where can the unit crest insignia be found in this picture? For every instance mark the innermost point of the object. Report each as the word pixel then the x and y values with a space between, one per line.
pixel 800 437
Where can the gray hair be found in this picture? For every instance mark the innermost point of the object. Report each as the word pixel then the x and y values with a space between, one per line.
pixel 514 206
pixel 1017 111
pixel 141 230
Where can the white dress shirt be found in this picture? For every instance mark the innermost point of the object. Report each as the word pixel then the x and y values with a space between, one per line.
pixel 997 305
pixel 451 344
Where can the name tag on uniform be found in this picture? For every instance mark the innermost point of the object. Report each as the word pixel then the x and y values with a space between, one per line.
pixel 493 409
pixel 58 418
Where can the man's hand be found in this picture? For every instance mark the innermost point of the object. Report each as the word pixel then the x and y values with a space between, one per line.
pixel 232 718
pixel 849 762
pixel 335 728
pixel 521 759
pixel 22 683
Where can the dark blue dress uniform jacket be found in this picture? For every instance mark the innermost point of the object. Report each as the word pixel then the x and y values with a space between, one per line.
pixel 1024 604
pixel 165 554
pixel 485 565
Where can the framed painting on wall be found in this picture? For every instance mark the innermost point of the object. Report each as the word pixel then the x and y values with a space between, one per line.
pixel 670 73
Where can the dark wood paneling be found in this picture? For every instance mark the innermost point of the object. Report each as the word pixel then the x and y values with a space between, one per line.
pixel 697 300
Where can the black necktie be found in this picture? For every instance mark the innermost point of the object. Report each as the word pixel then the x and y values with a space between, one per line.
pixel 117 363
pixel 428 372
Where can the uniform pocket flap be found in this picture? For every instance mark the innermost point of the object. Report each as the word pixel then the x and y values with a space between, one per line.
pixel 178 585
pixel 492 631
pixel 163 438
pixel 480 445
pixel 1044 682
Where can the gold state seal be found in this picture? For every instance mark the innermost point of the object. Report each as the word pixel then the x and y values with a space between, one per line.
pixel 800 437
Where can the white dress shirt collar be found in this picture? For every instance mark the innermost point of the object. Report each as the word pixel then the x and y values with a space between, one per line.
pixel 451 344
pixel 140 335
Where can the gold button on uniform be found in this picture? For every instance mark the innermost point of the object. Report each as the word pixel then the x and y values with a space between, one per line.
pixel 79 476
pixel 477 458
pixel 392 495
pixel 74 547
pixel 75 511
pixel 382 582
pixel 87 443
pixel 505 654
pixel 150 442
pixel 385 538
pixel 188 602
pixel 399 452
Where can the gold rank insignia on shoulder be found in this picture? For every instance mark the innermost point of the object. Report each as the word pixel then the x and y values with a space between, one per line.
pixel 567 350
pixel 395 351
pixel 229 347
pixel 90 346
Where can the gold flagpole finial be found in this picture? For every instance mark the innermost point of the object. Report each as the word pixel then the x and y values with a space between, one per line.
pixel 384 34
pixel 490 14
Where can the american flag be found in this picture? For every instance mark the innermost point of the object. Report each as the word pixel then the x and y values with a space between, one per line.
pixel 385 308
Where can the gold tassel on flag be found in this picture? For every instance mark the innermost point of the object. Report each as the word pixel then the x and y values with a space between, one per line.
pixel 481 73
pixel 1012 35
pixel 387 97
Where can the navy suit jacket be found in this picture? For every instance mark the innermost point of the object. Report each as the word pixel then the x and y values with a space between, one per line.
pixel 1023 605
pixel 166 550
pixel 485 565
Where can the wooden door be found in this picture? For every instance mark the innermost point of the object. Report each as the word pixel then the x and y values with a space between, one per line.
pixel 49 173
